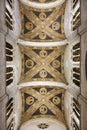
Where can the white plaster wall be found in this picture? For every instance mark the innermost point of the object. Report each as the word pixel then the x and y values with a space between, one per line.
pixel 17 63
pixel 42 5
pixel 68 109
pixel 53 124
pixel 68 63
pixel 18 109
pixel 68 18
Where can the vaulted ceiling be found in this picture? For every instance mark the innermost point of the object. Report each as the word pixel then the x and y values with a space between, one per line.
pixel 42 101
pixel 42 24
pixel 42 63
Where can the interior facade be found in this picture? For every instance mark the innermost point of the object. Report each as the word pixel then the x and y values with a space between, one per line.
pixel 43 65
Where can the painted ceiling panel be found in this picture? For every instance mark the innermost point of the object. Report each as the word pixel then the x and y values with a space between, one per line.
pixel 42 24
pixel 42 63
pixel 42 101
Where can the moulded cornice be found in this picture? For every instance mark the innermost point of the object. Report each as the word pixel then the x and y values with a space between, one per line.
pixel 42 5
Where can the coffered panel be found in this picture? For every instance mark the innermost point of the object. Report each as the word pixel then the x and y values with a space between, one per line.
pixel 42 63
pixel 42 101
pixel 42 24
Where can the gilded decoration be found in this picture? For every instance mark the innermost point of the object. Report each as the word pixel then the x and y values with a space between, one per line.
pixel 42 63
pixel 42 101
pixel 42 24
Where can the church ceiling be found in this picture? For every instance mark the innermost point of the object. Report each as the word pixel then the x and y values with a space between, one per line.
pixel 42 24
pixel 42 101
pixel 42 63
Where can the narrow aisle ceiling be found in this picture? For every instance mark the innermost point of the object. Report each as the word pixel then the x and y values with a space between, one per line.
pixel 42 63
pixel 42 101
pixel 42 24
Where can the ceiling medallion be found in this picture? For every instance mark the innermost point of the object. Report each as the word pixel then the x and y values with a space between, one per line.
pixel 42 35
pixel 43 126
pixel 43 109
pixel 29 63
pixel 43 53
pixel 43 74
pixel 56 100
pixel 43 91
pixel 30 100
pixel 29 26
pixel 55 63
pixel 56 26
pixel 42 16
